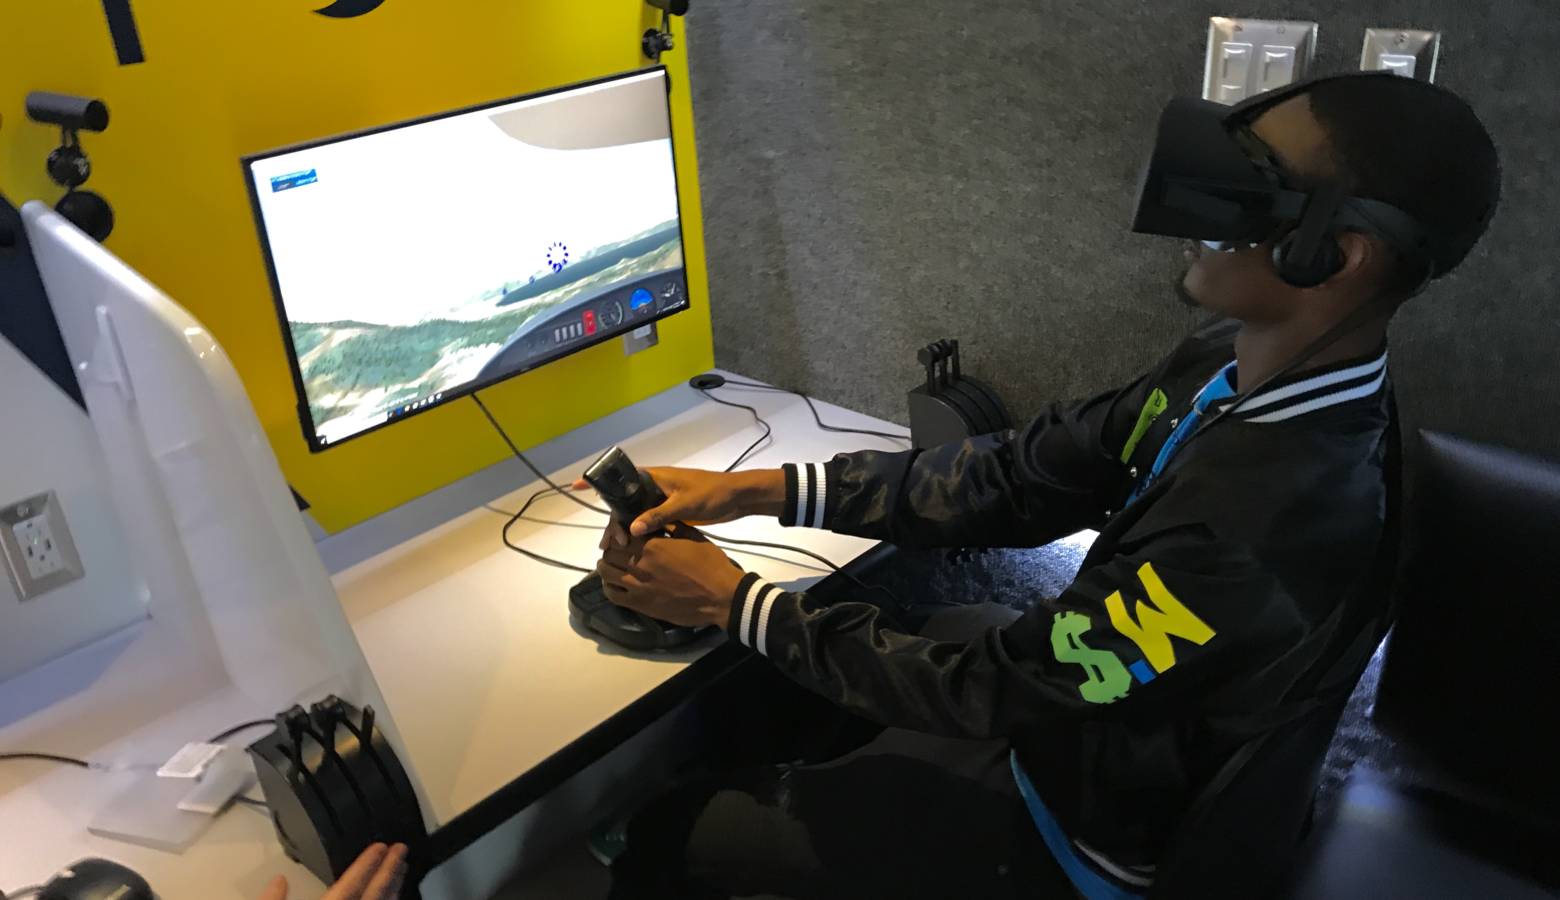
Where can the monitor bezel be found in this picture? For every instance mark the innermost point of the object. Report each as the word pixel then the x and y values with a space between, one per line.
pixel 305 419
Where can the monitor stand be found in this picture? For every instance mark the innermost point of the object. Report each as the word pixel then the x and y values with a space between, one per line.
pixel 624 627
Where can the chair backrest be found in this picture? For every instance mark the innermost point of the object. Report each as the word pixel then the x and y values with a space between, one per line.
pixel 1470 678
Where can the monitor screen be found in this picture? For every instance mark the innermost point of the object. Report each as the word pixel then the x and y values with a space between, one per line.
pixel 415 263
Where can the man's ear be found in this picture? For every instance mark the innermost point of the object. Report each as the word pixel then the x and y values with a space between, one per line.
pixel 1361 260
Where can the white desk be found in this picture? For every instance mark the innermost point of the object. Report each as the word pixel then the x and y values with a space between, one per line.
pixel 471 643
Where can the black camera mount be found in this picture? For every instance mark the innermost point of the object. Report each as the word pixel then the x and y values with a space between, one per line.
pixel 659 40
pixel 68 165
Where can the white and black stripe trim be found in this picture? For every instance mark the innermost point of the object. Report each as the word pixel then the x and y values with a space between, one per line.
pixel 804 480
pixel 806 496
pixel 1324 401
pixel 820 494
pixel 766 603
pixel 742 612
pixel 751 607
pixel 1320 391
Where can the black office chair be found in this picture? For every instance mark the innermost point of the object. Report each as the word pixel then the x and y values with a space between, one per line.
pixel 1469 689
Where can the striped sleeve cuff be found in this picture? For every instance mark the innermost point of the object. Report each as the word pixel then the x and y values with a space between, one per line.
pixel 750 610
pixel 808 503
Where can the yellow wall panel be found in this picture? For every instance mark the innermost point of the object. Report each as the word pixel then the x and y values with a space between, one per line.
pixel 222 79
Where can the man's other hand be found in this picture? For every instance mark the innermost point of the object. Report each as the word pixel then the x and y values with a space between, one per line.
pixel 376 875
pixel 683 579
pixel 700 497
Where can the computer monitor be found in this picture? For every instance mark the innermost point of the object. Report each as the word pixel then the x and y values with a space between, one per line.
pixel 415 263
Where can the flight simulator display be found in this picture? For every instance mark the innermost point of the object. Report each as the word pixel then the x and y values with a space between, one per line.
pixel 415 263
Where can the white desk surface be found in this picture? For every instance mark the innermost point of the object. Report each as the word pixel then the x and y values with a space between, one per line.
pixel 471 643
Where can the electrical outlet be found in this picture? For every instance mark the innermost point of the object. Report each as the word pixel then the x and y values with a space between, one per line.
pixel 1249 56
pixel 39 552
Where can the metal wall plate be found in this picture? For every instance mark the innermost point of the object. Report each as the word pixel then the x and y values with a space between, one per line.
pixel 1249 56
pixel 40 554
pixel 1412 54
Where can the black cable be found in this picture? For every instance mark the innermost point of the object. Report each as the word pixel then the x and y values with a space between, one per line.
pixel 72 761
pixel 1355 320
pixel 550 522
pixel 250 801
pixel 544 560
pixel 48 757
pixel 522 457
pixel 718 539
pixel 822 426
pixel 555 524
pixel 237 728
pixel 552 487
pixel 715 538
pixel 768 430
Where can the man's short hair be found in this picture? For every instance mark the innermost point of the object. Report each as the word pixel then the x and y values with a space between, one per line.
pixel 1418 147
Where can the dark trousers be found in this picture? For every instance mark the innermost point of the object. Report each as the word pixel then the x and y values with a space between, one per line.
pixel 906 816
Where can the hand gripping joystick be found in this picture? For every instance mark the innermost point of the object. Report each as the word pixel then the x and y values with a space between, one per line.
pixel 628 492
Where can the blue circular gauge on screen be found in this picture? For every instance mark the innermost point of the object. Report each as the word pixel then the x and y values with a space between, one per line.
pixel 640 299
pixel 557 256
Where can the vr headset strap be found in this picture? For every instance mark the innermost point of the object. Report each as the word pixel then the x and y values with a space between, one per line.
pixel 1301 253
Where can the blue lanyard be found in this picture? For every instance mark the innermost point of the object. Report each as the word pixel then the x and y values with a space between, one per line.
pixel 1220 387
pixel 1089 883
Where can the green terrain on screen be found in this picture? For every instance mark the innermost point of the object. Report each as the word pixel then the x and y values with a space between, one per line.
pixel 362 369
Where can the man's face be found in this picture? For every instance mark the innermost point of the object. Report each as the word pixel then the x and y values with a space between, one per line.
pixel 1238 283
pixel 1242 283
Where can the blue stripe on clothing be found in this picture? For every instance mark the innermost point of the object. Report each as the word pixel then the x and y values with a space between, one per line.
pixel 1220 387
pixel 1089 883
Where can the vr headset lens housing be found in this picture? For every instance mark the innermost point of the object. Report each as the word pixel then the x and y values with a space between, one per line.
pixel 1202 183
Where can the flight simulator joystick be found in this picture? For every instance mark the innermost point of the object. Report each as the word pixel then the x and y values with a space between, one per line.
pixel 628 492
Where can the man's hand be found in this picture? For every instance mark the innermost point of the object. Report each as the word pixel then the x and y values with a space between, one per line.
pixel 683 579
pixel 698 497
pixel 376 875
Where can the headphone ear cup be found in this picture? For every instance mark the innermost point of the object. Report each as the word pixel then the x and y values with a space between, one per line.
pixel 1306 273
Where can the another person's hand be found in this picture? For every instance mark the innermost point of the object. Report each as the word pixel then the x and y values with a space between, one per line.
pixel 376 875
pixel 700 497
pixel 683 579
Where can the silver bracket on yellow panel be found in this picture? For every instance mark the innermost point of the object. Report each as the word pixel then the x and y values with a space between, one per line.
pixel 641 338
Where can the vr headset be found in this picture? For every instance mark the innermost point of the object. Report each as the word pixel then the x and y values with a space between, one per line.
pixel 1210 178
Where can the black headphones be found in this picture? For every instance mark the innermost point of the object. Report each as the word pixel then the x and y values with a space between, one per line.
pixel 1309 253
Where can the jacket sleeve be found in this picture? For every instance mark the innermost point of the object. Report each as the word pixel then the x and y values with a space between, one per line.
pixel 1061 473
pixel 1140 631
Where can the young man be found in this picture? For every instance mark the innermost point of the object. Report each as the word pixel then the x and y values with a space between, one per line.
pixel 1243 490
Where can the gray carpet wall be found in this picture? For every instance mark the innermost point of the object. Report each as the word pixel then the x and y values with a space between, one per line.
pixel 878 174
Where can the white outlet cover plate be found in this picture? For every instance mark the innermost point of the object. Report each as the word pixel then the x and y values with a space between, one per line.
pixel 1247 57
pixel 1402 51
pixel 36 543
